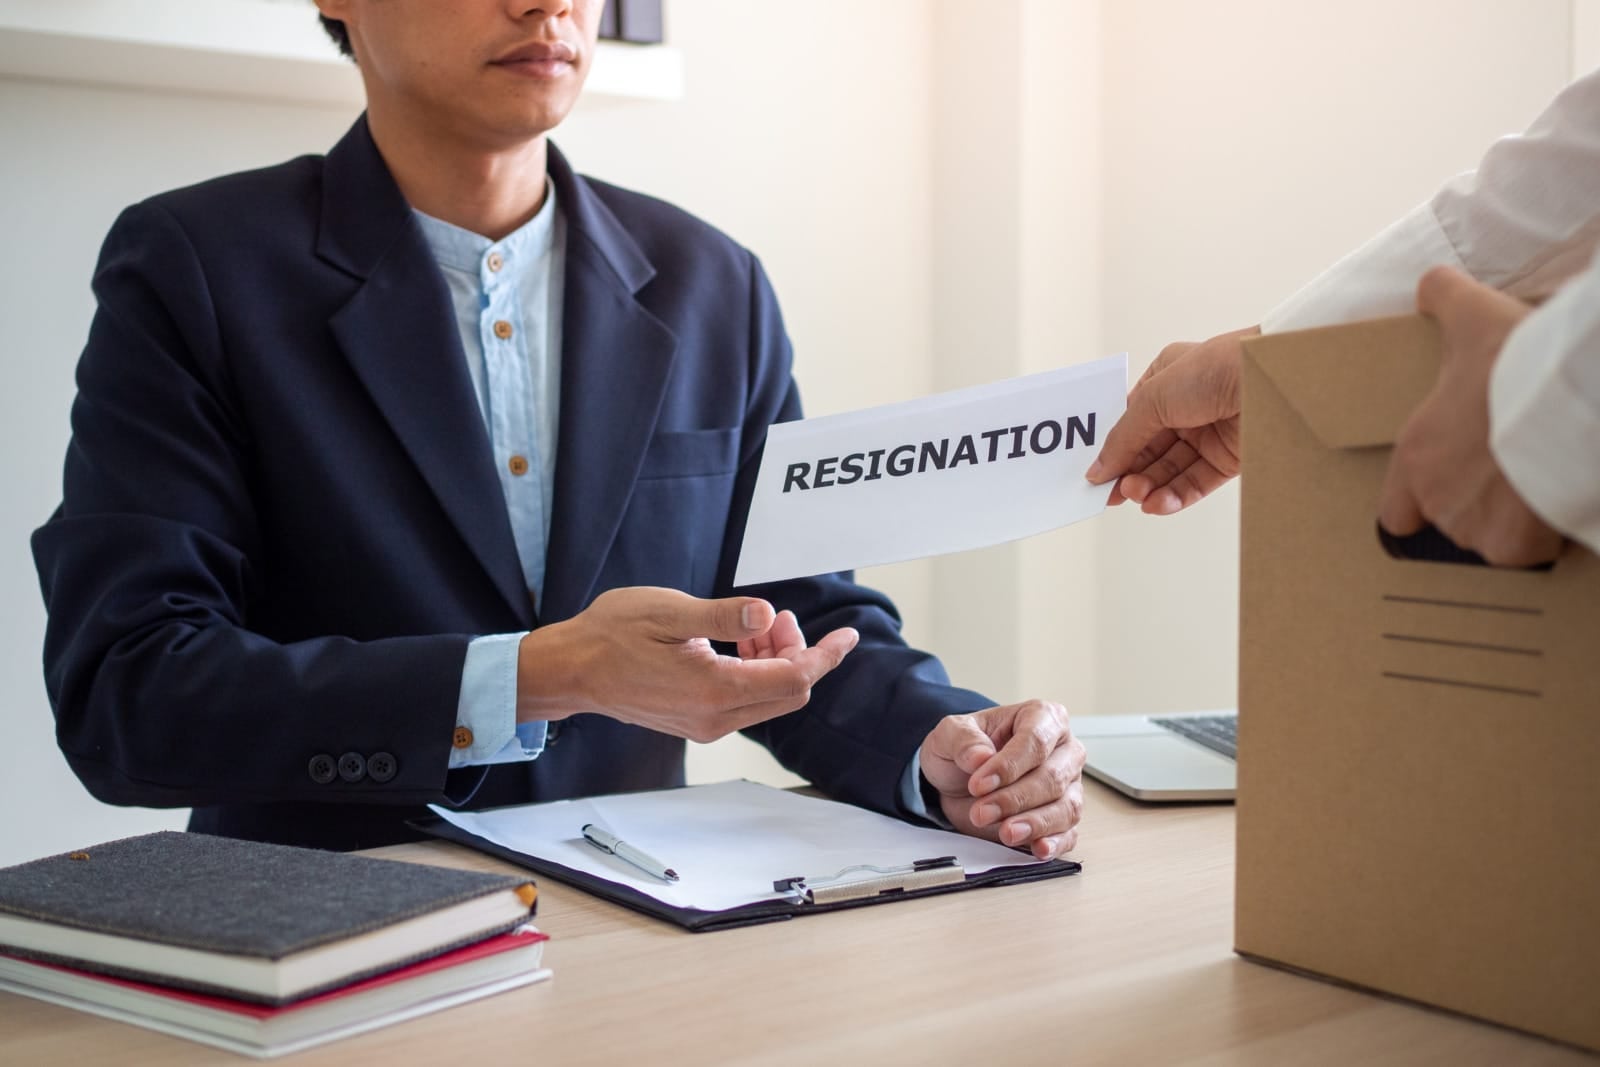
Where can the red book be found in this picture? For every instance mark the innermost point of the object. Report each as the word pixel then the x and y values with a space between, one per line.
pixel 477 970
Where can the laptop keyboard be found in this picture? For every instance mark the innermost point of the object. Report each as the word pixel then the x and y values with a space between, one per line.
pixel 1219 733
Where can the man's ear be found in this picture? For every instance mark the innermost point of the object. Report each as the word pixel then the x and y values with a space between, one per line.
pixel 334 9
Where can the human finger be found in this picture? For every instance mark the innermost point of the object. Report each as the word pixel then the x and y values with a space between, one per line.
pixel 1136 484
pixel 1036 728
pixel 1190 486
pixel 1162 469
pixel 1399 511
pixel 1131 435
pixel 1040 786
pixel 1511 535
pixel 1058 816
pixel 961 740
pixel 1153 450
pixel 786 674
pixel 1143 422
pixel 1439 290
pixel 1054 845
pixel 736 618
pixel 783 637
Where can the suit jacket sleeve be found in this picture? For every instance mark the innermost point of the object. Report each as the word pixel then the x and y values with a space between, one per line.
pixel 163 695
pixel 867 718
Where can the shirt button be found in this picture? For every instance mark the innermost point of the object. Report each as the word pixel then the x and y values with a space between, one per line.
pixel 495 262
pixel 502 330
pixel 462 737
pixel 518 465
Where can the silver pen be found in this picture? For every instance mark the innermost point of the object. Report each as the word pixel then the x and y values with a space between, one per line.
pixel 621 849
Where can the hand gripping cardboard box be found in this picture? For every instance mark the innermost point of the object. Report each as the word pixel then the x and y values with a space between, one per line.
pixel 1419 742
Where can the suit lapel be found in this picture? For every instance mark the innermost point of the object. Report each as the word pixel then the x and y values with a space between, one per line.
pixel 615 361
pixel 399 334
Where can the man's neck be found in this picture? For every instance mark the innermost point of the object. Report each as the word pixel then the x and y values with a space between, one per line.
pixel 490 192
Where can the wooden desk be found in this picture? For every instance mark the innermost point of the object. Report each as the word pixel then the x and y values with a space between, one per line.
pixel 1129 962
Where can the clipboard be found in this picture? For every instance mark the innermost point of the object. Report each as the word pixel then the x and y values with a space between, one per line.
pixel 794 892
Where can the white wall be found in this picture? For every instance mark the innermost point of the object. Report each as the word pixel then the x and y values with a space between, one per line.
pixel 943 194
pixel 1248 143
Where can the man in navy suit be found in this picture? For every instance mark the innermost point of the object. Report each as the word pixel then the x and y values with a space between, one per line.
pixel 417 474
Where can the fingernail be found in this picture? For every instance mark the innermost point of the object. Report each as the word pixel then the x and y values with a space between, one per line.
pixel 1015 833
pixel 749 616
pixel 1096 469
pixel 984 814
pixel 989 784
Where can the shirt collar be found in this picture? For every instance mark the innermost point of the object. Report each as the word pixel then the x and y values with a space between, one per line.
pixel 466 251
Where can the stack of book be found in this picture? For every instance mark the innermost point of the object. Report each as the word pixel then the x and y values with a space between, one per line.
pixel 259 949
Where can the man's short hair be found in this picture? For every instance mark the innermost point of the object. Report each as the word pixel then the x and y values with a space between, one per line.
pixel 340 35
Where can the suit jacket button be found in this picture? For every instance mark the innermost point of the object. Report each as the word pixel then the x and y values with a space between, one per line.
pixel 352 767
pixel 322 769
pixel 381 767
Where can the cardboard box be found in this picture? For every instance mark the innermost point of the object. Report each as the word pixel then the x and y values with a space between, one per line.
pixel 1419 742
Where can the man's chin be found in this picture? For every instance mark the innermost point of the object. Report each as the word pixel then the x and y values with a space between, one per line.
pixel 506 132
pixel 537 118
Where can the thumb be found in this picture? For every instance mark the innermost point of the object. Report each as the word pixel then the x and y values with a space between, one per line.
pixel 1438 289
pixel 1398 510
pixel 733 618
pixel 962 740
pixel 1138 424
pixel 1469 313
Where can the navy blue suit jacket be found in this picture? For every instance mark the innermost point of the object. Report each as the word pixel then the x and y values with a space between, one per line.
pixel 281 524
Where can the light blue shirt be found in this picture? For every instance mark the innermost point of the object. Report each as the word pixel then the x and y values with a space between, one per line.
pixel 507 300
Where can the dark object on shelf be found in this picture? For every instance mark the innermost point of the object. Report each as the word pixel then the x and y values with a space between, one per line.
pixel 638 21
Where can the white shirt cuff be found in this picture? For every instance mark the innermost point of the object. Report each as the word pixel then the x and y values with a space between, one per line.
pixel 911 793
pixel 1378 279
pixel 488 706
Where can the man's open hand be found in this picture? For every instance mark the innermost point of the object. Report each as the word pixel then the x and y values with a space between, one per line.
pixel 643 655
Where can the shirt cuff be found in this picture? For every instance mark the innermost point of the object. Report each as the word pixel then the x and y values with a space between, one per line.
pixel 1544 410
pixel 488 706
pixel 1378 279
pixel 911 798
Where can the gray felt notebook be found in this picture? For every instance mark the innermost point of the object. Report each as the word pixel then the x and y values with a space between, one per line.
pixel 269 923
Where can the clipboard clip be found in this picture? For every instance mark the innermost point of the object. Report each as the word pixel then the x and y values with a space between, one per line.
pixel 866 880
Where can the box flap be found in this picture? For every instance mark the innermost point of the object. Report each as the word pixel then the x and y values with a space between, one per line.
pixel 1353 385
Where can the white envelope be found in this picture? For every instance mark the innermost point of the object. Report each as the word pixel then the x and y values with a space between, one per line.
pixel 953 471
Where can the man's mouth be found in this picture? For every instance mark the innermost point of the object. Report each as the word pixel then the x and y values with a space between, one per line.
pixel 539 59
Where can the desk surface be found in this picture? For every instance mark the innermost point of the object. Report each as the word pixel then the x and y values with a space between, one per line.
pixel 1128 962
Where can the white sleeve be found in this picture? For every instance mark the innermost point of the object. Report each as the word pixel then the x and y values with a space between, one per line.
pixel 1544 409
pixel 1526 220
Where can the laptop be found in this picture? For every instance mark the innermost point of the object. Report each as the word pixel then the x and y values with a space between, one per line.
pixel 1184 755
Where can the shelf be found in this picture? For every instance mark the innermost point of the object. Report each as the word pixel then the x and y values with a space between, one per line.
pixel 260 49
